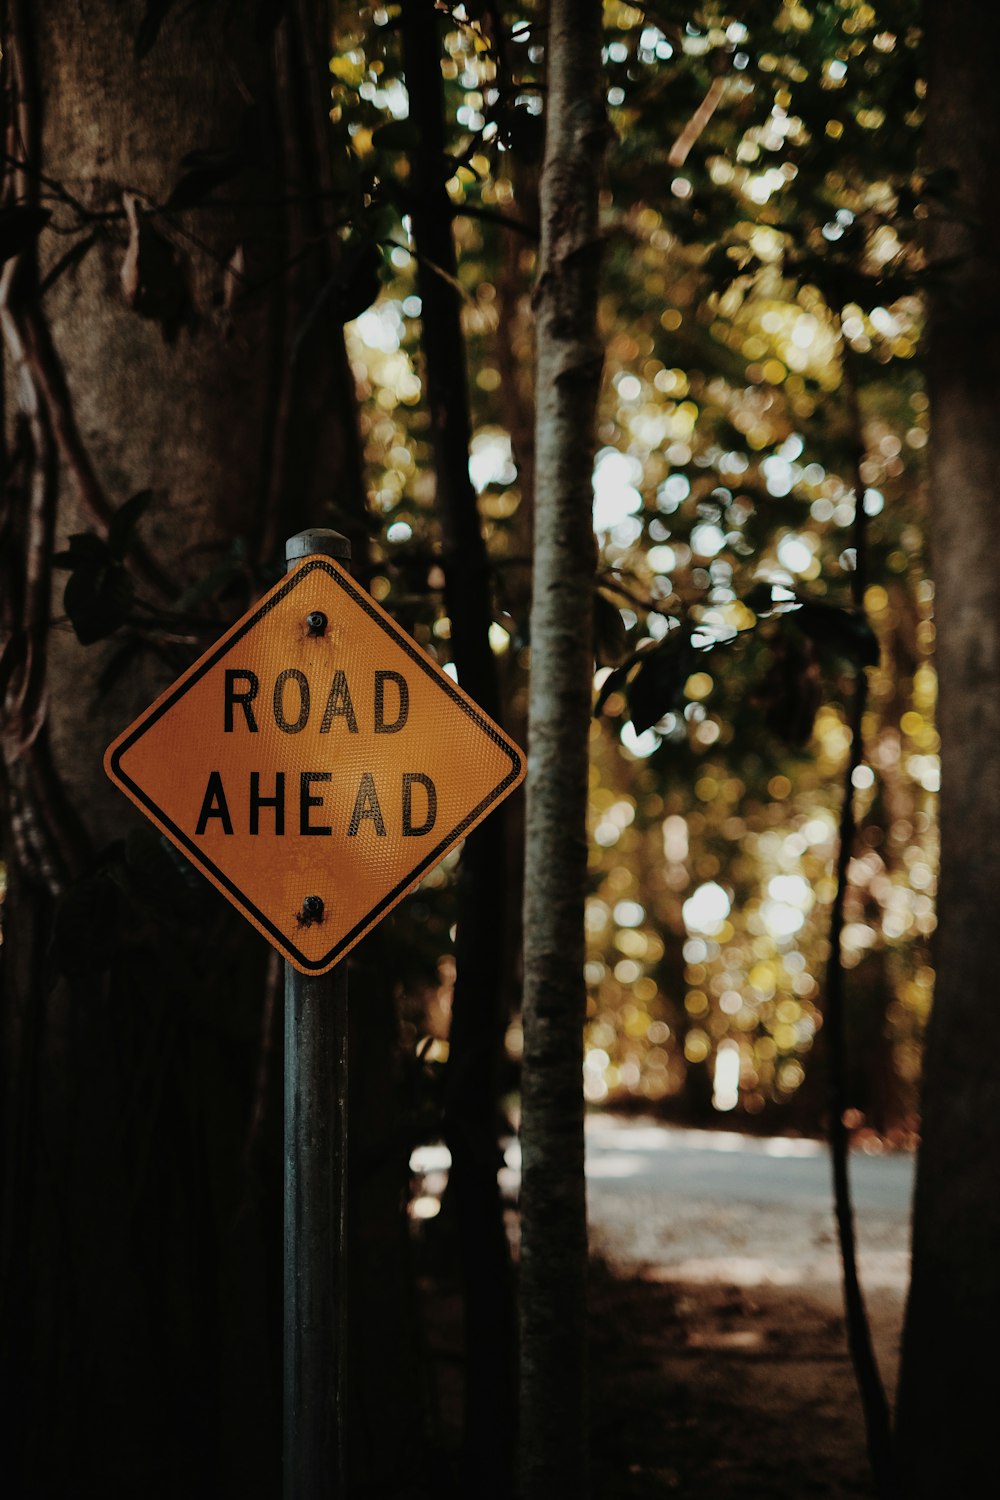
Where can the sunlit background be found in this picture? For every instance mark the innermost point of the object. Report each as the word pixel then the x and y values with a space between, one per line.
pixel 760 327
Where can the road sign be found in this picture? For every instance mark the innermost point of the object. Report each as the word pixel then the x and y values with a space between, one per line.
pixel 315 764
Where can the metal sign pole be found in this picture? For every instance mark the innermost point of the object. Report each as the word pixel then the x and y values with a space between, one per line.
pixel 315 1248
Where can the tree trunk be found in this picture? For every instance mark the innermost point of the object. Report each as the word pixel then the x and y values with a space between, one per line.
pixel 946 1411
pixel 472 1108
pixel 140 1260
pixel 568 366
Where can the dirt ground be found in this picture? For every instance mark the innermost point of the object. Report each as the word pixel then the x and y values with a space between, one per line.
pixel 719 1391
pixel 707 1391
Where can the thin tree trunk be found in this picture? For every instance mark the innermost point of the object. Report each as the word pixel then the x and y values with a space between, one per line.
pixel 874 1403
pixel 946 1408
pixel 517 412
pixel 568 366
pixel 472 1113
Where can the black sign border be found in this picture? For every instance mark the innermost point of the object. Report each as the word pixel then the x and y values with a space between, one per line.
pixel 213 657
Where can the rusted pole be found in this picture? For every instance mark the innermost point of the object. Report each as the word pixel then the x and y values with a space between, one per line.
pixel 315 1248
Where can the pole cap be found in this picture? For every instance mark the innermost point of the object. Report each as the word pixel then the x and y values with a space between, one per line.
pixel 319 541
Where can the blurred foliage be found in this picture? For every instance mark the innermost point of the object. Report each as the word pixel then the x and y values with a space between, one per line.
pixel 761 311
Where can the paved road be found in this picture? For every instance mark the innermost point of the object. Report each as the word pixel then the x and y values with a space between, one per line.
pixel 722 1211
pixel 704 1206
pixel 643 1156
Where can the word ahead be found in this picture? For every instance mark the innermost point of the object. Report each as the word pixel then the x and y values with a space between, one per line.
pixel 315 764
pixel 366 805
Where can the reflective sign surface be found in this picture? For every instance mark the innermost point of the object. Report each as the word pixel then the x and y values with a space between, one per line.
pixel 315 764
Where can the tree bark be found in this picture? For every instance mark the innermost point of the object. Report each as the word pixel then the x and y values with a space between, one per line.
pixel 472 1108
pixel 140 1262
pixel 568 366
pixel 945 1410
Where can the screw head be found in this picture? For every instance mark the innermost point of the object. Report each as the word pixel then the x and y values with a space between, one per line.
pixel 316 622
pixel 312 908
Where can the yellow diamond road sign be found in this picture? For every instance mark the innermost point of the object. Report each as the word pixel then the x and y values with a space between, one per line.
pixel 314 764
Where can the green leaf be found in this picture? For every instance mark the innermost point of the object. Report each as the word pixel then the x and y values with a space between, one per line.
pixel 791 692
pixel 844 631
pixel 522 132
pixel 154 274
pixel 658 686
pixel 97 600
pixel 125 520
pixel 207 170
pixel 360 283
pixel 610 635
pixel 759 599
pixel 86 549
pixel 351 289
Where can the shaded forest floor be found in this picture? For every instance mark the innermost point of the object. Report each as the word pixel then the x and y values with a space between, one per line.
pixel 721 1391
pixel 701 1391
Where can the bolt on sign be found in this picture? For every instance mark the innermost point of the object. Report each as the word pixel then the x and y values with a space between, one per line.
pixel 315 764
